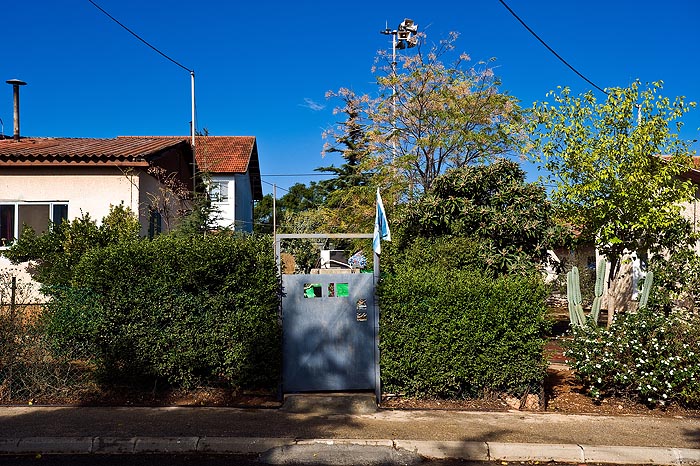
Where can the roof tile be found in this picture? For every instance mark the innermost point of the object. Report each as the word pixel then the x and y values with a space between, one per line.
pixel 81 151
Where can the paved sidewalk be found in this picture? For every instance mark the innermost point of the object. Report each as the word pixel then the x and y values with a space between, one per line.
pixel 279 434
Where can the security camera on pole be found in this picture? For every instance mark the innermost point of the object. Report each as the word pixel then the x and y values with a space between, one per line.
pixel 401 38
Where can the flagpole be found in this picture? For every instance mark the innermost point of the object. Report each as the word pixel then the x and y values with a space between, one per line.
pixel 381 231
pixel 377 374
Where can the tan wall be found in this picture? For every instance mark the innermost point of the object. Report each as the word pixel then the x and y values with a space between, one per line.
pixel 86 190
pixel 89 190
pixel 28 291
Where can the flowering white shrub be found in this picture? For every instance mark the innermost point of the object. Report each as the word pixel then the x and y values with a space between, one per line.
pixel 645 355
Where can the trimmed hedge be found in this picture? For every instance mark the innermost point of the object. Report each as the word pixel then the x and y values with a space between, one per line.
pixel 187 310
pixel 460 334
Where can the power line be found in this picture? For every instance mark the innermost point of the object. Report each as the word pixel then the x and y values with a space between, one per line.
pixel 273 184
pixel 139 37
pixel 552 50
pixel 299 174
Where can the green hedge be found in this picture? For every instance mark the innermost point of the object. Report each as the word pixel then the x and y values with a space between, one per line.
pixel 460 334
pixel 187 310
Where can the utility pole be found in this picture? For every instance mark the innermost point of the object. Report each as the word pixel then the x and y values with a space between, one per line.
pixel 402 37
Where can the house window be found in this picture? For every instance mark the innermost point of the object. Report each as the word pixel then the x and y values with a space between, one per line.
pixel 218 191
pixel 37 215
pixel 7 224
pixel 155 223
pixel 60 213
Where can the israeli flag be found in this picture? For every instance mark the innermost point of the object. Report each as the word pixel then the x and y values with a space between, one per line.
pixel 381 226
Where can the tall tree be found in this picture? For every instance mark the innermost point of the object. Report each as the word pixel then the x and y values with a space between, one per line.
pixel 262 215
pixel 349 139
pixel 616 166
pixel 298 198
pixel 430 116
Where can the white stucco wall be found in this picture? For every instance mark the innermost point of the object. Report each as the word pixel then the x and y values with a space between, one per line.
pixel 237 212
pixel 27 291
pixel 89 190
pixel 226 215
pixel 85 190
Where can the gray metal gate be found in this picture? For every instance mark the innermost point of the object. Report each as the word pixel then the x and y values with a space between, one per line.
pixel 329 328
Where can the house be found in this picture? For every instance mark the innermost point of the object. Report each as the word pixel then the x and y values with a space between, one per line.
pixel 51 179
pixel 232 174
pixel 231 165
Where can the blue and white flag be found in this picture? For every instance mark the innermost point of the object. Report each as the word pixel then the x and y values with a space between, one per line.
pixel 381 226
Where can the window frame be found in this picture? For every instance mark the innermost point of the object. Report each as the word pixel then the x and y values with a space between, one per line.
pixel 16 227
pixel 216 194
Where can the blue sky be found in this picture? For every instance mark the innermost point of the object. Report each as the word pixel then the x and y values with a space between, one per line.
pixel 263 68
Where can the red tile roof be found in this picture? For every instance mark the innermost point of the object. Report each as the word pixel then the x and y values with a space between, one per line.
pixel 230 155
pixel 127 152
pixel 223 155
pixel 217 154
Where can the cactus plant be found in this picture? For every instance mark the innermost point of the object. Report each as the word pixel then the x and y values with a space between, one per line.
pixel 573 296
pixel 599 287
pixel 646 287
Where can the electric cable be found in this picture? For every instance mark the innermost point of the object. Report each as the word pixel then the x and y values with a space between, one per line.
pixel 139 37
pixel 272 184
pixel 298 174
pixel 552 50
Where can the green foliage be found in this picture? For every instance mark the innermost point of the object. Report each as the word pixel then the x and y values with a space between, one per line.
pixel 644 355
pixel 457 333
pixel 262 215
pixel 447 252
pixel 350 140
pixel 120 224
pixel 610 177
pixel 492 204
pixel 57 251
pixel 186 310
pixel 677 280
pixel 201 218
pixel 298 198
pixel 72 321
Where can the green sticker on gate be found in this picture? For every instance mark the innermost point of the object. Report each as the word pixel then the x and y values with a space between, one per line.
pixel 312 290
pixel 342 290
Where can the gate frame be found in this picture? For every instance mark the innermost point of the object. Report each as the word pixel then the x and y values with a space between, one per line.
pixel 278 237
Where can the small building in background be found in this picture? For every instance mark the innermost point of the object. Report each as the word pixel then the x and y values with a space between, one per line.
pixel 232 171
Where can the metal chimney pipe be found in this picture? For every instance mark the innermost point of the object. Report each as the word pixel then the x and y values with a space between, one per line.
pixel 15 92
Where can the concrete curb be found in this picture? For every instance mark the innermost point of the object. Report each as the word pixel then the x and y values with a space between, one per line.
pixel 465 450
